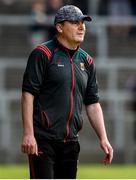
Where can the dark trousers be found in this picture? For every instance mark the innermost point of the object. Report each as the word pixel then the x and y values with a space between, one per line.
pixel 56 160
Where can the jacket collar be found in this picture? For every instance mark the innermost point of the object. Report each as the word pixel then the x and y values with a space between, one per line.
pixel 58 44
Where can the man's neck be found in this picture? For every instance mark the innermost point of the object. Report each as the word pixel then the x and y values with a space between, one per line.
pixel 66 44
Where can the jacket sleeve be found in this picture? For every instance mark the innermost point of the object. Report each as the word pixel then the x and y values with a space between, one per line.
pixel 91 94
pixel 35 72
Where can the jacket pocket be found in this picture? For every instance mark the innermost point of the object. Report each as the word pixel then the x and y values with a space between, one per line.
pixel 45 120
pixel 80 124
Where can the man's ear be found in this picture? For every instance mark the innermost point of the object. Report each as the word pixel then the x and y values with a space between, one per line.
pixel 59 27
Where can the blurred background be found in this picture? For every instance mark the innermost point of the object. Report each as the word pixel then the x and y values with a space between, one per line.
pixel 110 40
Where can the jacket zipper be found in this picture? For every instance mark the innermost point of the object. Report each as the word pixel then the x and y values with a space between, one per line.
pixel 71 101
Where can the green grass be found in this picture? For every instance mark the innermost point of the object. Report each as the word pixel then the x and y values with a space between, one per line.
pixel 107 172
pixel 14 172
pixel 88 171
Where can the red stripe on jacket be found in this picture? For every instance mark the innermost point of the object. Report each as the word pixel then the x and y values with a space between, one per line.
pixel 89 59
pixel 45 49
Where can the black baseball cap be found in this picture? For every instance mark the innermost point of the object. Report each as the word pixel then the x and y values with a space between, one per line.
pixel 70 13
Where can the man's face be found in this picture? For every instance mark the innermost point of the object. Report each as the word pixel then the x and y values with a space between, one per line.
pixel 73 31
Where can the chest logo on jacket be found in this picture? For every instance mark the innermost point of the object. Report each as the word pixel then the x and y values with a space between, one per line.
pixel 82 66
pixel 59 64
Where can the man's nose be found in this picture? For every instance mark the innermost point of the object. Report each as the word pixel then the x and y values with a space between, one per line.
pixel 81 25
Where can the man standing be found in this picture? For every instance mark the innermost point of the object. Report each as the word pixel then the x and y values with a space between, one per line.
pixel 58 79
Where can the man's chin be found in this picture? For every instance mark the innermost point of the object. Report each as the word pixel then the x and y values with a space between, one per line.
pixel 80 40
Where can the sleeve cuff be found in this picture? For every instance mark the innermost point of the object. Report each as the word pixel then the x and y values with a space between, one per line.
pixel 88 102
pixel 30 91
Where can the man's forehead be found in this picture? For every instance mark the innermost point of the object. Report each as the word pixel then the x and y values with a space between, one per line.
pixel 72 22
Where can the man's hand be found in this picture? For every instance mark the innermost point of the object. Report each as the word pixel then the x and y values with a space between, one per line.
pixel 108 150
pixel 29 145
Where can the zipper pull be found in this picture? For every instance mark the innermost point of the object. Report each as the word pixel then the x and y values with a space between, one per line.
pixel 71 60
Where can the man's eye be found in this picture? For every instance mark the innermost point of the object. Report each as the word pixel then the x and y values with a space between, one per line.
pixel 77 22
pixel 74 22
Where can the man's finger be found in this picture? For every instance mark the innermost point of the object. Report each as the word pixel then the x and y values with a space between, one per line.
pixel 36 149
pixel 108 159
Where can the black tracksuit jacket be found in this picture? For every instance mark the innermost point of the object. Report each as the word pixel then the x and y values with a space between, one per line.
pixel 60 85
